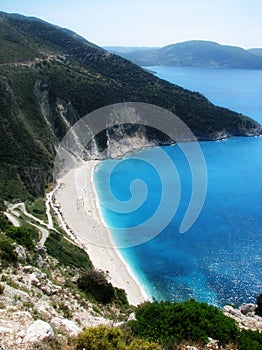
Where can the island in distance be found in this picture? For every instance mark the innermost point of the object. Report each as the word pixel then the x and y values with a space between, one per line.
pixel 194 53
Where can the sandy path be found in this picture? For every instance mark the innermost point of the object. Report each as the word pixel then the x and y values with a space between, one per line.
pixel 77 201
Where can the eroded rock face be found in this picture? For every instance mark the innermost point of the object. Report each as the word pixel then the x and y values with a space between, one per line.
pixel 37 332
pixel 245 316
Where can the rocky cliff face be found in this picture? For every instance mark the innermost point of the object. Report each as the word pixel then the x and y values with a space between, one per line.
pixel 35 309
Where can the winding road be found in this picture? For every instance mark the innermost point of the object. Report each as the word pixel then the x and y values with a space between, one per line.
pixel 12 216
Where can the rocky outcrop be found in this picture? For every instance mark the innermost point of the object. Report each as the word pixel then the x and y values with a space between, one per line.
pixel 65 326
pixel 245 316
pixel 29 293
pixel 37 332
pixel 21 254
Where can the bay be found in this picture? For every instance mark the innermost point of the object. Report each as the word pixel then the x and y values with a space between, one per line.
pixel 219 260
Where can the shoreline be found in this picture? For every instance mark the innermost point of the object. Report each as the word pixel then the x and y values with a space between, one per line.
pixel 80 210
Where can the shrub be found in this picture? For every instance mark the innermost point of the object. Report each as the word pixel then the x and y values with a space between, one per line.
pixel 111 338
pixel 37 208
pixel 174 322
pixel 7 251
pixel 4 223
pixel 259 305
pixel 2 288
pixel 141 344
pixel 95 284
pixel 249 340
pixel 101 338
pixel 67 253
pixel 22 236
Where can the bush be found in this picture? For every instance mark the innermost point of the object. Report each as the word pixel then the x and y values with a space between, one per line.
pixel 22 236
pixel 95 284
pixel 169 323
pixel 37 208
pixel 249 340
pixel 259 305
pixel 4 223
pixel 7 251
pixel 101 338
pixel 2 288
pixel 67 253
pixel 111 338
pixel 140 344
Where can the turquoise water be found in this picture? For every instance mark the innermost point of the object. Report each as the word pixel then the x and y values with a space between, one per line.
pixel 219 260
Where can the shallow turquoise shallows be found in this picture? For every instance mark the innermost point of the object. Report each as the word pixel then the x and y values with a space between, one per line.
pixel 219 260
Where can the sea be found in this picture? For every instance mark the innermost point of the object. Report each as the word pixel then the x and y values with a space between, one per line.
pixel 218 260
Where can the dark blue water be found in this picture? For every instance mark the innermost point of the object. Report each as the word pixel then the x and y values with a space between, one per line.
pixel 219 260
pixel 237 89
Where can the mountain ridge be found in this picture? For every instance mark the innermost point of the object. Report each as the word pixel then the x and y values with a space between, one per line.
pixel 51 77
pixel 196 53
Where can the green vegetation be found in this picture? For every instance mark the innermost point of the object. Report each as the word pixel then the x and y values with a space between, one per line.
pixel 24 236
pixel 8 255
pixel 4 223
pixel 172 323
pixel 37 208
pixel 2 288
pixel 95 284
pixel 111 338
pixel 66 252
pixel 249 340
pixel 259 305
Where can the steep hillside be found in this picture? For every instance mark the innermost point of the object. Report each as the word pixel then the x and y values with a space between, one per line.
pixel 196 53
pixel 50 77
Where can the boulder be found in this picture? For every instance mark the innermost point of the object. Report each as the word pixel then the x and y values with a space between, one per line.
pixel 132 317
pixel 227 309
pixel 38 331
pixel 247 309
pixel 21 254
pixel 65 326
pixel 212 344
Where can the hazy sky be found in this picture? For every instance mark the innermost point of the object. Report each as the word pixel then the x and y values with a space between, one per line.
pixel 151 23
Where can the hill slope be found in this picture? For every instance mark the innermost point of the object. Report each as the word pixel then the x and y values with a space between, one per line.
pixel 257 52
pixel 196 53
pixel 51 77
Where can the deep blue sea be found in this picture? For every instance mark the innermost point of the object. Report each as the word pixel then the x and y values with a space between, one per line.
pixel 219 260
pixel 237 89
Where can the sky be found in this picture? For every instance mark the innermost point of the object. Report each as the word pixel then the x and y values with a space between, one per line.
pixel 151 23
